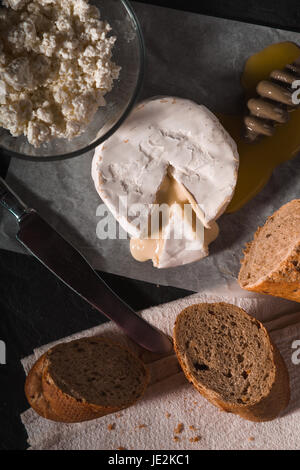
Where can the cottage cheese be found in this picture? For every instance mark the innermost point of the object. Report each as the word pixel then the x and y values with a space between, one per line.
pixel 55 67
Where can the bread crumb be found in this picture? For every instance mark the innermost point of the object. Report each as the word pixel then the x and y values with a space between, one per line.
pixel 195 439
pixel 141 426
pixel 192 428
pixel 119 415
pixel 168 415
pixel 111 426
pixel 251 438
pixel 126 141
pixel 179 428
pixel 176 438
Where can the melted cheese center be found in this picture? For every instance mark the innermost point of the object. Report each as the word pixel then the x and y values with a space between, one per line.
pixel 170 192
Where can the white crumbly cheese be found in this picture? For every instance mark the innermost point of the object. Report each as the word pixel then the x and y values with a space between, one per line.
pixel 168 136
pixel 55 67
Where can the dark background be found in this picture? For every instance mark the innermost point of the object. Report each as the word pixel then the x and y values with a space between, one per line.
pixel 36 309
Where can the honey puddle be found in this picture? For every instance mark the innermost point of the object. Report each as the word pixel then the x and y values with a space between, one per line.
pixel 258 159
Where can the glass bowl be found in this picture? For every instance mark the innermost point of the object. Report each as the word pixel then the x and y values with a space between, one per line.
pixel 129 53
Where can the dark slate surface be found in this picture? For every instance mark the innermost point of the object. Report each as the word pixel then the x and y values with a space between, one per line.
pixel 36 308
pixel 283 14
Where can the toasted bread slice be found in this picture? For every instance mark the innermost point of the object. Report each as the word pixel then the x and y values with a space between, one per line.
pixel 230 359
pixel 85 379
pixel 271 264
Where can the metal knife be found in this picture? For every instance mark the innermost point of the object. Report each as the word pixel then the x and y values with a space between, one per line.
pixel 63 260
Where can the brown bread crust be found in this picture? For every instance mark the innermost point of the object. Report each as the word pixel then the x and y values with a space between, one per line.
pixel 268 408
pixel 34 391
pixel 50 402
pixel 284 281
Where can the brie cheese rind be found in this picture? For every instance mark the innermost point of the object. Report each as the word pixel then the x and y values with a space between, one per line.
pixel 167 138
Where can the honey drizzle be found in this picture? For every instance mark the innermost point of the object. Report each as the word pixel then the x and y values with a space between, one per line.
pixel 258 159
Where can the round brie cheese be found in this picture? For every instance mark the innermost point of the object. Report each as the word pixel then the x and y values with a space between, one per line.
pixel 167 137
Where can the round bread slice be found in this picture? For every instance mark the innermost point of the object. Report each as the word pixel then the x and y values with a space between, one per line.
pixel 85 379
pixel 271 264
pixel 230 359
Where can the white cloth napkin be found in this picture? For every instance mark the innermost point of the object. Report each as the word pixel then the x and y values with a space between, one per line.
pixel 171 401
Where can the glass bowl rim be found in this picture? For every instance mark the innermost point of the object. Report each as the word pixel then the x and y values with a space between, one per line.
pixel 115 127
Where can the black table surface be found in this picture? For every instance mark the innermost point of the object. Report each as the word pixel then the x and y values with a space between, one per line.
pixel 36 308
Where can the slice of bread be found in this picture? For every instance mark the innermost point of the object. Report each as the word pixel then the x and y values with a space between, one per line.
pixel 271 264
pixel 85 379
pixel 34 391
pixel 230 359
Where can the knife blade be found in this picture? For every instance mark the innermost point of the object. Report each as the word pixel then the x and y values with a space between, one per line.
pixel 67 264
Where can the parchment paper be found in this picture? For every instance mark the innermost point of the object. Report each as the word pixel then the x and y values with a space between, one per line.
pixel 191 56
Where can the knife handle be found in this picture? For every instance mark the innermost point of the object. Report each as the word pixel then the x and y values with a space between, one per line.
pixel 12 202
